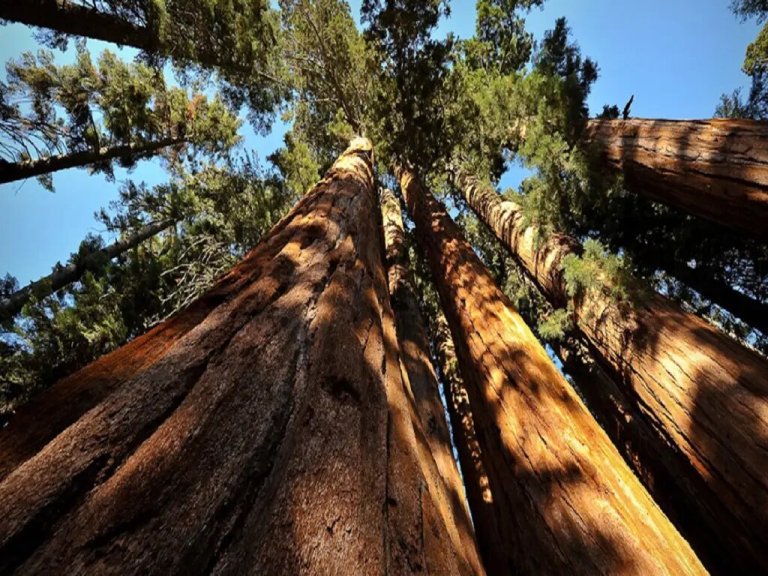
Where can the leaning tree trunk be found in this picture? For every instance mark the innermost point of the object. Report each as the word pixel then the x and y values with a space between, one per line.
pixel 704 394
pixel 716 169
pixel 72 272
pixel 68 17
pixel 563 498
pixel 12 171
pixel 418 368
pixel 667 475
pixel 272 435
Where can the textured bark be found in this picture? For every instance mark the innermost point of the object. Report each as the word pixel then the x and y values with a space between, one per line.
pixel 564 500
pixel 271 434
pixel 70 18
pixel 12 171
pixel 703 394
pixel 74 271
pixel 667 475
pixel 478 490
pixel 716 169
pixel 420 373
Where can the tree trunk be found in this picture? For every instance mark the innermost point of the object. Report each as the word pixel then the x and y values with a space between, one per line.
pixel 564 499
pixel 750 310
pixel 701 391
pixel 68 17
pixel 419 372
pixel 73 271
pixel 12 171
pixel 478 490
pixel 666 473
pixel 716 169
pixel 272 435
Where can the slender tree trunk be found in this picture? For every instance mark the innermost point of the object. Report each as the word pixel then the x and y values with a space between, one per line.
pixel 564 499
pixel 716 169
pixel 478 489
pixel 274 435
pixel 12 171
pixel 750 310
pixel 419 372
pixel 701 391
pixel 68 17
pixel 72 272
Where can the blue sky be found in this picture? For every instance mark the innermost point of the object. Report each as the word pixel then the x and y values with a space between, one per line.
pixel 675 56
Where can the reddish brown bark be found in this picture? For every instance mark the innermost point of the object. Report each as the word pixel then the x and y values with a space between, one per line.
pixel 564 499
pixel 702 393
pixel 270 432
pixel 419 372
pixel 716 169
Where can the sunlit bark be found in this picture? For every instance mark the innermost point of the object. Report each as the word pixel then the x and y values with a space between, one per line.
pixel 72 272
pixel 270 431
pixel 563 498
pixel 703 393
pixel 716 169
pixel 421 376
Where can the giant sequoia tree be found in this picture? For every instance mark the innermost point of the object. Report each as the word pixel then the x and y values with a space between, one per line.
pixel 650 346
pixel 315 414
pixel 556 505
pixel 237 385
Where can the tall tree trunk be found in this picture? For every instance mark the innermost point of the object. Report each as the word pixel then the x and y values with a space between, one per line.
pixel 478 489
pixel 68 17
pixel 564 499
pixel 750 310
pixel 420 374
pixel 72 272
pixel 667 474
pixel 701 391
pixel 716 169
pixel 273 435
pixel 12 171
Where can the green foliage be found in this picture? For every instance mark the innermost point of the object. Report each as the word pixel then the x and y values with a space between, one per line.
pixel 297 165
pixel 501 41
pixel 556 325
pixel 757 53
pixel 238 39
pixel 85 107
pixel 750 8
pixel 330 80
pixel 411 68
pixel 596 269
pixel 755 65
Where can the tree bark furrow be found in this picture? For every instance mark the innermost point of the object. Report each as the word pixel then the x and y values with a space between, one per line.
pixel 715 169
pixel 256 440
pixel 563 499
pixel 696 388
pixel 420 373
